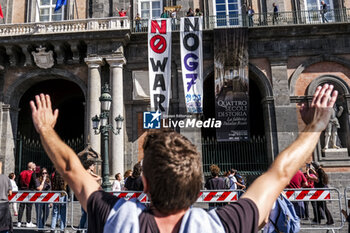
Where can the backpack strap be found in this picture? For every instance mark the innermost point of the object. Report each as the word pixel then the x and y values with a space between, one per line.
pixel 275 223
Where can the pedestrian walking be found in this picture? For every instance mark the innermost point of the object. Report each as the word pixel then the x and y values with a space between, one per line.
pixel 5 214
pixel 14 187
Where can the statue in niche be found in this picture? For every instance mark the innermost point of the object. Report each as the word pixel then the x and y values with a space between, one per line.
pixel 331 133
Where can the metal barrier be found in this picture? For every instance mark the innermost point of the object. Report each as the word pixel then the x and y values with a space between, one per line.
pixel 319 198
pixel 43 201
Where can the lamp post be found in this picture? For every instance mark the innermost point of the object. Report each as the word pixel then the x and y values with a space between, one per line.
pixel 104 129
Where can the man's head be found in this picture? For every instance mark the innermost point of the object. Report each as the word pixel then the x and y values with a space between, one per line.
pixel 233 171
pixel 89 164
pixel 214 170
pixel 172 170
pixel 273 4
pixel 118 177
pixel 33 167
pixel 322 2
pixel 136 172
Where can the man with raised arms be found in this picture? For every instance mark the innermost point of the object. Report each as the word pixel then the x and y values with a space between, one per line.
pixel 173 178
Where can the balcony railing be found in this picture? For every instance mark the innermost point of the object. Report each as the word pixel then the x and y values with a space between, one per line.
pixel 260 19
pixel 209 22
pixel 70 26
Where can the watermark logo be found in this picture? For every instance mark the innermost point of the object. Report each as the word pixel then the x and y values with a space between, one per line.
pixel 151 120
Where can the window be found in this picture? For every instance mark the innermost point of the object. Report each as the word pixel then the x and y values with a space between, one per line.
pixel 149 9
pixel 228 12
pixel 46 11
pixel 313 8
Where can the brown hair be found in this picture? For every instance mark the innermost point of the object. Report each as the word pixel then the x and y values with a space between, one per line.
pixel 126 174
pixel 172 168
pixel 214 170
pixel 11 175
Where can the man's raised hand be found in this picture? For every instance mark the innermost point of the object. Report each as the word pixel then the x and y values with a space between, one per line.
pixel 42 114
pixel 320 109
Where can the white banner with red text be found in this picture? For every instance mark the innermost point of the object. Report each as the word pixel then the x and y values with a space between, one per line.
pixel 159 55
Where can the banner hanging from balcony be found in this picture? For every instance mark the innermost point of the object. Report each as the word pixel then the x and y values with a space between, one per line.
pixel 192 62
pixel 231 83
pixel 159 64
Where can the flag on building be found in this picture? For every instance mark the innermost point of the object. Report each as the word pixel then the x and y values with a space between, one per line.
pixel 59 4
pixel 1 14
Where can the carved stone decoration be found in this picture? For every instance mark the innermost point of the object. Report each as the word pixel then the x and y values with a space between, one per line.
pixel 43 59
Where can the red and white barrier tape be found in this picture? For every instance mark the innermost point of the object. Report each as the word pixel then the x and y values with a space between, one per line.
pixel 204 196
pixel 308 195
pixel 142 197
pixel 35 197
pixel 218 196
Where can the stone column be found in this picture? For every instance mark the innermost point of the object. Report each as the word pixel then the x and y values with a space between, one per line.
pixel 93 95
pixel 285 112
pixel 116 63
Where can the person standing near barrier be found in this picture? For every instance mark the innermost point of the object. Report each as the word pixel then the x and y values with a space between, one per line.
pixel 43 183
pixel 275 14
pixel 5 214
pixel 311 177
pixel 323 12
pixel 116 184
pixel 89 166
pixel 14 187
pixel 322 182
pixel 297 182
pixel 134 182
pixel 172 176
pixel 26 182
pixel 59 210
pixel 215 183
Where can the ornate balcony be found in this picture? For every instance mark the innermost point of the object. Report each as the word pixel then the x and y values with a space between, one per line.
pixel 71 26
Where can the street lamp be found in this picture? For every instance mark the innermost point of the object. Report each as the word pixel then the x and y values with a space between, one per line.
pixel 104 129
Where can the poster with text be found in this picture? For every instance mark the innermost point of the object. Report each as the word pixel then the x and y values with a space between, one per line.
pixel 159 55
pixel 192 62
pixel 231 83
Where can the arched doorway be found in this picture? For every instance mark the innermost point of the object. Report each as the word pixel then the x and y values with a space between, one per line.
pixel 248 157
pixel 69 99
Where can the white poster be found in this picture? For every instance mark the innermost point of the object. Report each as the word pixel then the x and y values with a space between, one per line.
pixel 159 55
pixel 192 62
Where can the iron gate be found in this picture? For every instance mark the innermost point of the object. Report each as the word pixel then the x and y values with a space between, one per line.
pixel 248 157
pixel 29 149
